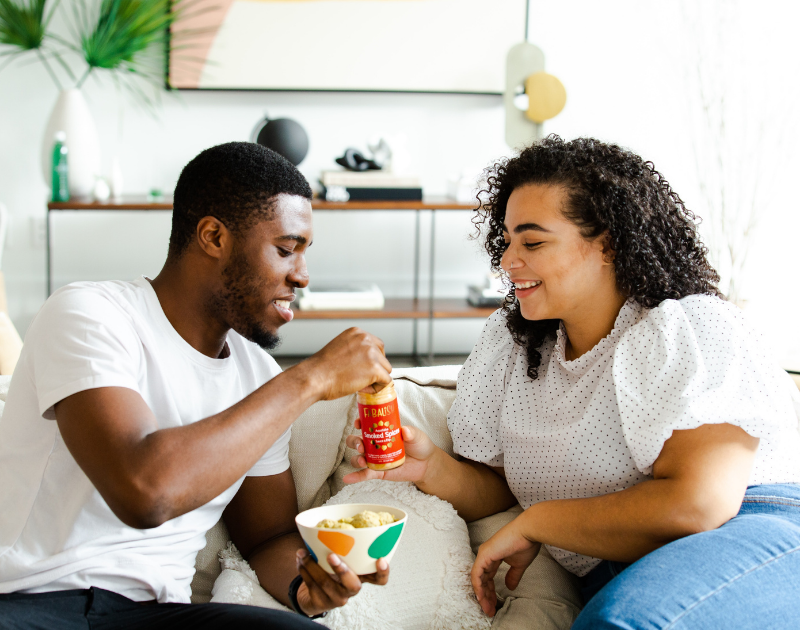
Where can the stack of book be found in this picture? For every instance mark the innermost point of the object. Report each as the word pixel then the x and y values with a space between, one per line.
pixel 369 186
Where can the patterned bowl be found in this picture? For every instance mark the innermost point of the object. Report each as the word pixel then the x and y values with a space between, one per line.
pixel 359 548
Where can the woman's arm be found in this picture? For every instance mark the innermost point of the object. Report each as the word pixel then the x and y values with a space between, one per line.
pixel 699 480
pixel 475 490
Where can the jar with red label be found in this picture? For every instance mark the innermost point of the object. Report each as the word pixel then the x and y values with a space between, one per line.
pixel 380 429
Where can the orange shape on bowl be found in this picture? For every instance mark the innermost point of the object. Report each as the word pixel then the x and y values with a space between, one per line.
pixel 337 542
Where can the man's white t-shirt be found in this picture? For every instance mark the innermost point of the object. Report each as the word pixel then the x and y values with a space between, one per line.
pixel 56 531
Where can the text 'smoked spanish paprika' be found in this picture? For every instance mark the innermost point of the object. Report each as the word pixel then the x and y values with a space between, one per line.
pixel 380 429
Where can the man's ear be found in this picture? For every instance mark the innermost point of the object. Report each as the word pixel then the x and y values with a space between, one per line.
pixel 213 237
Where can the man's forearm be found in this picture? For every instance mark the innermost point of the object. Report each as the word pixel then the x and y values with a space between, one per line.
pixel 173 471
pixel 275 564
pixel 473 489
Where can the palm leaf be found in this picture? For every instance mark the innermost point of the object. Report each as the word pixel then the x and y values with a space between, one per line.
pixel 22 25
pixel 127 35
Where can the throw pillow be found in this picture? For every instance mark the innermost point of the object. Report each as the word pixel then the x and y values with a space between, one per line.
pixel 429 587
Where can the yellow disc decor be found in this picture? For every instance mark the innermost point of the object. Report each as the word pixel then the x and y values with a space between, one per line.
pixel 546 96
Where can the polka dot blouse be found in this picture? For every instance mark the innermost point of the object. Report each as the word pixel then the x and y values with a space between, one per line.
pixel 595 425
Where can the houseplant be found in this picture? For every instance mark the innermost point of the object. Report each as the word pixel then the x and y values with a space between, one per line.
pixel 125 39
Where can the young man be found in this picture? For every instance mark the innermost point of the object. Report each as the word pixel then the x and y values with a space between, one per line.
pixel 140 412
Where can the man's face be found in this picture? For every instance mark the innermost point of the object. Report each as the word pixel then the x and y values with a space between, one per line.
pixel 265 267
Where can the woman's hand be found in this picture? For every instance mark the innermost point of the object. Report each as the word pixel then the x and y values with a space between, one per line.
pixel 508 544
pixel 321 591
pixel 420 451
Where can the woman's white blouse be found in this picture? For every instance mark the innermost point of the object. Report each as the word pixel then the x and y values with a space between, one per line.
pixel 596 425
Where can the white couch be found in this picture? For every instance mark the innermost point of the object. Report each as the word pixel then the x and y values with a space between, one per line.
pixel 548 596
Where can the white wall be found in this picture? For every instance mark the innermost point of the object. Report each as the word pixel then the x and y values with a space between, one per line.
pixel 622 64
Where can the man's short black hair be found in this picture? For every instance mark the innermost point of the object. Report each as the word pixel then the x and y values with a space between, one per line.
pixel 235 183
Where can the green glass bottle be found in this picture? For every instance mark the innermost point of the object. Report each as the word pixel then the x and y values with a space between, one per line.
pixel 60 168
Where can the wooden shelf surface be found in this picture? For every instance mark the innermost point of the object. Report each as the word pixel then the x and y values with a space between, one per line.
pixel 129 202
pixel 405 308
pixel 141 202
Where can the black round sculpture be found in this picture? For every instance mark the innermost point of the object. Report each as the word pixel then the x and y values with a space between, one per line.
pixel 284 136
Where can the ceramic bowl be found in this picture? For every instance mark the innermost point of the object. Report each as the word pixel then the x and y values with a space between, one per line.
pixel 359 548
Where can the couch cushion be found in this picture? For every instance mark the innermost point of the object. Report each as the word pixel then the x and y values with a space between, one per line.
pixel 548 596
pixel 430 584
pixel 317 447
pixel 206 565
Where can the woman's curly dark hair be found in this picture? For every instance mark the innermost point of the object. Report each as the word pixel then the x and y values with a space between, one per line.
pixel 658 253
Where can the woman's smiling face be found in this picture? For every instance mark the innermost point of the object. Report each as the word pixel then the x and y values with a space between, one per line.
pixel 557 273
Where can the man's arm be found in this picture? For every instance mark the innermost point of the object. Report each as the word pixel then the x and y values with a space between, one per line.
pixel 260 519
pixel 149 475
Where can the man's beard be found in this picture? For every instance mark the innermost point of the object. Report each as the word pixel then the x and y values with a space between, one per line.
pixel 234 302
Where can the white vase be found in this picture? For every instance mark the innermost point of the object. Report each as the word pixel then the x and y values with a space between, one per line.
pixel 72 116
pixel 115 178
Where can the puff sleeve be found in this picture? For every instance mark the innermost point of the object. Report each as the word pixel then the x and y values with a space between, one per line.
pixel 474 418
pixel 696 361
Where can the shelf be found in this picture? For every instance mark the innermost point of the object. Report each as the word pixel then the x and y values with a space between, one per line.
pixel 428 203
pixel 130 202
pixel 406 308
pixel 409 308
pixel 141 202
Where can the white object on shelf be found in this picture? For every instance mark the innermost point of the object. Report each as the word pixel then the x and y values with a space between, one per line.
pixel 72 116
pixel 101 190
pixel 367 179
pixel 341 298
pixel 115 180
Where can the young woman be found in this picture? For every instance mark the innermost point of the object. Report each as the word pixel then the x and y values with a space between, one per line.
pixel 627 407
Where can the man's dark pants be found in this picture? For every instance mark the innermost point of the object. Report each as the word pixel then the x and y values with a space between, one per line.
pixel 98 609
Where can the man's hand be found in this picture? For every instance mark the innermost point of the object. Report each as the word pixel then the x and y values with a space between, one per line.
pixel 322 591
pixel 352 362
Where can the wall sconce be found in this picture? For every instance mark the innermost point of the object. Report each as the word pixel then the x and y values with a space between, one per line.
pixel 531 96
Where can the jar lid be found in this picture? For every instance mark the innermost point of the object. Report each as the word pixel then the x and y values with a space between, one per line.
pixel 387 394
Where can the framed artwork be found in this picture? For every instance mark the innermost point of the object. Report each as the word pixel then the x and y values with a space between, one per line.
pixel 449 46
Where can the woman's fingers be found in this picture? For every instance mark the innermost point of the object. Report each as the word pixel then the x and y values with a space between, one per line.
pixel 361 475
pixel 482 576
pixel 358 461
pixel 514 576
pixel 355 442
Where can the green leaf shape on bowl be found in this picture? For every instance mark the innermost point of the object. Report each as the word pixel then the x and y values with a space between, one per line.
pixel 384 543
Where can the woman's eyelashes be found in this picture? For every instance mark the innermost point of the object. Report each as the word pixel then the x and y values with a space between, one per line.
pixel 506 245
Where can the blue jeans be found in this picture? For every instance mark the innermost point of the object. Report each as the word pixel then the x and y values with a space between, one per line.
pixel 745 574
